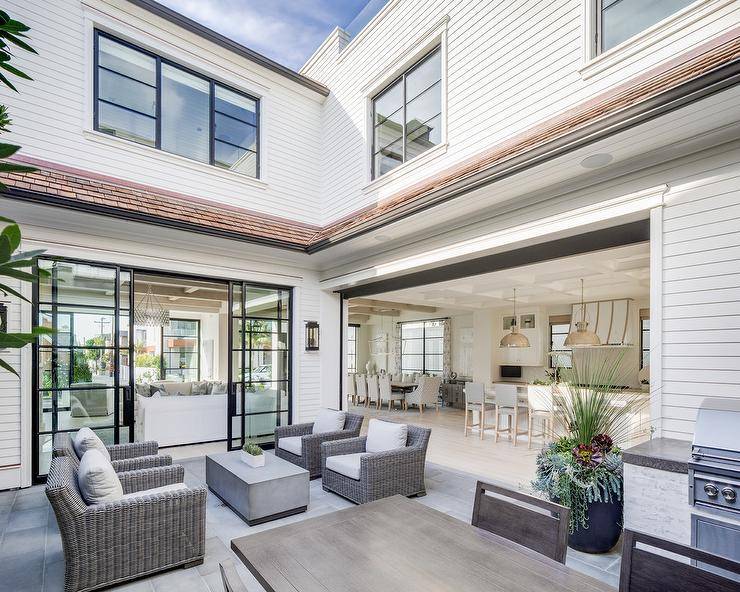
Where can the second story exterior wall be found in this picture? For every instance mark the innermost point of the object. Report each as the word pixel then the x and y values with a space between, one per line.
pixel 53 114
pixel 506 66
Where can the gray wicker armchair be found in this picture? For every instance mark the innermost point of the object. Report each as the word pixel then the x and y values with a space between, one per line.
pixel 123 457
pixel 382 474
pixel 310 458
pixel 109 543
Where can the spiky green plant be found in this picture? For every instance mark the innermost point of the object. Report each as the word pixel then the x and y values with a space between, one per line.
pixel 252 448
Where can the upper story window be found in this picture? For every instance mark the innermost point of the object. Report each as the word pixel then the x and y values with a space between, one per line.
pixel 146 99
pixel 407 115
pixel 618 20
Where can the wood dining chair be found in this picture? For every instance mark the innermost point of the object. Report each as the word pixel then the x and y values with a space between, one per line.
pixel 373 393
pixel 361 383
pixel 648 568
pixel 539 399
pixel 528 521
pixel 351 389
pixel 475 401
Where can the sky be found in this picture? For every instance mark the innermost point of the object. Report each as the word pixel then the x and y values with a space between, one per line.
pixel 287 31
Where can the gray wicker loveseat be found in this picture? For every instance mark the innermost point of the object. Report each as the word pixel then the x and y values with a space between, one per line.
pixel 310 443
pixel 381 474
pixel 123 457
pixel 111 542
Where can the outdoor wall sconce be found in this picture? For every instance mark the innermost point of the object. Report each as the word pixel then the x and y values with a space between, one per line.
pixel 312 336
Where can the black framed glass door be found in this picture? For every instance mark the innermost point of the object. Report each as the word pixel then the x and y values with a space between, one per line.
pixel 259 362
pixel 83 369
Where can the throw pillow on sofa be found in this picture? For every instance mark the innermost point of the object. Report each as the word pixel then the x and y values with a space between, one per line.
pixel 329 420
pixel 97 479
pixel 199 388
pixel 385 435
pixel 85 439
pixel 159 391
pixel 218 388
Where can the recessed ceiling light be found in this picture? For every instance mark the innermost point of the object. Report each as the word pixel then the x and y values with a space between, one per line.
pixel 596 161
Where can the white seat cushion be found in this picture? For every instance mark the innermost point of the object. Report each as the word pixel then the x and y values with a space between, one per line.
pixel 346 464
pixel 85 439
pixel 329 420
pixel 97 479
pixel 384 435
pixel 293 444
pixel 155 491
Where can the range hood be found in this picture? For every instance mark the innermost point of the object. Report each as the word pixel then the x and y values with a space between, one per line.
pixel 609 319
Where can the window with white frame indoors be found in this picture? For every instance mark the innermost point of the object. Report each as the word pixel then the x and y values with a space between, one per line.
pixel 618 20
pixel 559 329
pixel 407 115
pixel 644 337
pixel 352 348
pixel 148 100
pixel 422 347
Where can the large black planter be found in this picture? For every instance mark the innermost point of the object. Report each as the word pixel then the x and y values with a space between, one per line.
pixel 604 528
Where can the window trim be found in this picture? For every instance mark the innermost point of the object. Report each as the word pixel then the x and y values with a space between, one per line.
pixel 644 316
pixel 356 328
pixel 401 77
pixel 212 83
pixel 423 340
pixel 552 321
pixel 163 367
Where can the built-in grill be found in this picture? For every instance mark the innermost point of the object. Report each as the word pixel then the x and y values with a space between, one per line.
pixel 714 469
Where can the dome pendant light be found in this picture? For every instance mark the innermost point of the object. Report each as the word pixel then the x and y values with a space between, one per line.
pixel 514 339
pixel 582 336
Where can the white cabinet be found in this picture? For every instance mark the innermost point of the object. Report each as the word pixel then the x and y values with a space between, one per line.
pixel 534 355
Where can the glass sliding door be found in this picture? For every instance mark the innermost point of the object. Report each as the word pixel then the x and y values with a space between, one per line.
pixel 259 341
pixel 83 372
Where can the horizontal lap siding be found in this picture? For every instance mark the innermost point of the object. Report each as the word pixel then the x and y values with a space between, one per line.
pixel 701 298
pixel 49 116
pixel 10 389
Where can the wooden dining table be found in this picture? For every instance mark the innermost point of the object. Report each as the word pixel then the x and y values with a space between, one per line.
pixel 399 545
pixel 404 387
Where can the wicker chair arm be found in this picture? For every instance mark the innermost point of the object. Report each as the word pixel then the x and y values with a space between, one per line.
pixel 150 478
pixel 377 464
pixel 343 446
pixel 132 450
pixel 141 462
pixel 297 429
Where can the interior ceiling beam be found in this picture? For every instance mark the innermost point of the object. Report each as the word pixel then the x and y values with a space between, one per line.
pixel 369 310
pixel 191 285
pixel 390 305
pixel 179 293
pixel 358 319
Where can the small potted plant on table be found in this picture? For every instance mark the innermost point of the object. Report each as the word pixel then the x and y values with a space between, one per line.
pixel 253 455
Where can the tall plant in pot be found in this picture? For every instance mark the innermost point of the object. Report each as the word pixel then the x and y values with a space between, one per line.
pixel 582 467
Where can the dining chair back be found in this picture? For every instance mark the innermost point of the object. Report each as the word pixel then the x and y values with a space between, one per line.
pixel 475 402
pixel 648 568
pixel 351 388
pixel 361 382
pixel 529 521
pixel 384 383
pixel 539 397
pixel 475 392
pixel 506 395
pixel 373 394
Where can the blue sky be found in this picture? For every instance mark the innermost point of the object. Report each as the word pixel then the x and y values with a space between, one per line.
pixel 287 31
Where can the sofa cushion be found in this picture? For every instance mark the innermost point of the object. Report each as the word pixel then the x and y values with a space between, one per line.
pixel 329 420
pixel 217 388
pixel 292 444
pixel 346 464
pixel 155 491
pixel 143 389
pixel 97 479
pixel 385 435
pixel 85 439
pixel 200 388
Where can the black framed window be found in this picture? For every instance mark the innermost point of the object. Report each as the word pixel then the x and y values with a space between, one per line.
pixel 352 348
pixel 618 20
pixel 146 99
pixel 422 347
pixel 559 329
pixel 181 350
pixel 644 341
pixel 407 115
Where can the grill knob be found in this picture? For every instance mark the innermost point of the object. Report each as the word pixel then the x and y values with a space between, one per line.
pixel 711 490
pixel 729 494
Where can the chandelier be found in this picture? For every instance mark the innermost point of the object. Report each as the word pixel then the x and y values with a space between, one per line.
pixel 149 312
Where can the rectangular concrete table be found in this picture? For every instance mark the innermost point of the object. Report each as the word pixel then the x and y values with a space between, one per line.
pixel 258 494
pixel 397 544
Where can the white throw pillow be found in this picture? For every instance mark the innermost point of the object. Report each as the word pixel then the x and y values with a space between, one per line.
pixel 97 479
pixel 329 420
pixel 85 439
pixel 384 435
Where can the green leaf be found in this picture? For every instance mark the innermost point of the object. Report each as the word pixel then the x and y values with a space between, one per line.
pixel 13 234
pixel 20 43
pixel 28 254
pixel 7 220
pixel 14 70
pixel 12 292
pixel 7 83
pixel 8 167
pixel 16 26
pixel 17 263
pixel 16 273
pixel 7 150
pixel 16 340
pixel 5 250
pixel 8 367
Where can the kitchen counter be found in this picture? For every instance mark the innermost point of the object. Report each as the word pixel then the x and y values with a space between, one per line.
pixel 665 454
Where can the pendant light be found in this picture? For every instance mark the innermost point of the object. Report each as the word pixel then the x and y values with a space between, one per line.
pixel 514 339
pixel 149 312
pixel 582 336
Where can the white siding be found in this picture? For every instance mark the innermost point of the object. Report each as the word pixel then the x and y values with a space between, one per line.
pixel 52 115
pixel 10 394
pixel 510 65
pixel 701 297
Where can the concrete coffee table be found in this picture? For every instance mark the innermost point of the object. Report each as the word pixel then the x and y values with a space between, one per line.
pixel 258 494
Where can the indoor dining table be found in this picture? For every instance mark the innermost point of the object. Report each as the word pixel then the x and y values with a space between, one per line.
pixel 399 545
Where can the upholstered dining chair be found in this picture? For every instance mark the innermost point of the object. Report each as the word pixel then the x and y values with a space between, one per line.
pixel 373 393
pixel 387 394
pixel 361 383
pixel 475 401
pixel 427 393
pixel 529 521
pixel 508 405
pixel 539 400
pixel 351 389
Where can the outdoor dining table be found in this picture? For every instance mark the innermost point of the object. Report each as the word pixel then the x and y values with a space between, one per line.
pixel 358 549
